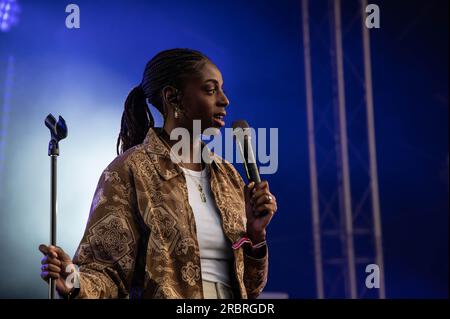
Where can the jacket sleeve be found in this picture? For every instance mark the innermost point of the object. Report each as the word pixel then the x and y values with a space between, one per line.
pixel 255 274
pixel 255 269
pixel 107 252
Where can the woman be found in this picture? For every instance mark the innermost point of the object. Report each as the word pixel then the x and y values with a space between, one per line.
pixel 160 228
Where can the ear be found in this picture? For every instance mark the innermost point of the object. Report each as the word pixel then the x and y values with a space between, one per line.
pixel 170 95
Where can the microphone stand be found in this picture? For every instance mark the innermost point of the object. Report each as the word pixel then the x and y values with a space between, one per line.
pixel 58 131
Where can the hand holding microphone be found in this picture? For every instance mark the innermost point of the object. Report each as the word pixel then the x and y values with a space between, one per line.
pixel 260 203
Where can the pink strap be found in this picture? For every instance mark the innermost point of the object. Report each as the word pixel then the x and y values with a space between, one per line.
pixel 240 242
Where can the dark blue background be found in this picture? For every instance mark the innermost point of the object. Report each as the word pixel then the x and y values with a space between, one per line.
pixel 258 47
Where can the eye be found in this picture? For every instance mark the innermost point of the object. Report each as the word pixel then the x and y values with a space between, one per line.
pixel 211 91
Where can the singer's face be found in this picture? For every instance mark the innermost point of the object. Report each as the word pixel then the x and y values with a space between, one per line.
pixel 204 99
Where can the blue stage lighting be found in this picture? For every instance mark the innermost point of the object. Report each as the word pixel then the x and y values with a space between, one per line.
pixel 9 11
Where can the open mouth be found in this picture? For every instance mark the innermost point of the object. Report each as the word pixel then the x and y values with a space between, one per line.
pixel 219 119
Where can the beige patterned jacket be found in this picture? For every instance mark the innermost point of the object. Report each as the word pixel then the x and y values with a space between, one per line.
pixel 140 240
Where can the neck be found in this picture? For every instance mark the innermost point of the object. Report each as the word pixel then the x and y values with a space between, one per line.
pixel 189 161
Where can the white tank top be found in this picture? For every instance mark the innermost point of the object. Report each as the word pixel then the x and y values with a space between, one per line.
pixel 215 250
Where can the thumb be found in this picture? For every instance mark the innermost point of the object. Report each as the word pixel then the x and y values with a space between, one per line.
pixel 249 186
pixel 43 249
pixel 248 189
pixel 61 253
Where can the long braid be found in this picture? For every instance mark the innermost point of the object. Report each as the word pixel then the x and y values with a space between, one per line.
pixel 169 67
pixel 136 120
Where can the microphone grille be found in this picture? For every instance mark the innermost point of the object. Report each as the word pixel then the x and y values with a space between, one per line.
pixel 240 124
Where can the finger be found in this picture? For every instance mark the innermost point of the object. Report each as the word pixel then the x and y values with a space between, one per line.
pixel 53 251
pixel 261 185
pixel 265 208
pixel 264 213
pixel 58 252
pixel 51 267
pixel 49 274
pixel 50 260
pixel 249 188
pixel 43 249
pixel 264 198
pixel 63 256
pixel 261 192
pixel 45 276
pixel 52 254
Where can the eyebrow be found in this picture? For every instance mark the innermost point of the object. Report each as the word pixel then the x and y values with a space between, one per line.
pixel 212 80
pixel 216 82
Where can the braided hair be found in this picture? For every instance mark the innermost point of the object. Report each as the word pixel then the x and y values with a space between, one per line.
pixel 169 67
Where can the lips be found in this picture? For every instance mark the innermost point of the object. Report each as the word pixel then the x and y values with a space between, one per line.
pixel 219 119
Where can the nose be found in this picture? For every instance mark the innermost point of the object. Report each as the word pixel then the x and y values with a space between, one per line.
pixel 223 100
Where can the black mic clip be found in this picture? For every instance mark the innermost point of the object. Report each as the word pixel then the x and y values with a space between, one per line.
pixel 58 131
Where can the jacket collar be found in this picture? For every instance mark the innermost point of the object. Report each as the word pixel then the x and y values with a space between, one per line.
pixel 153 145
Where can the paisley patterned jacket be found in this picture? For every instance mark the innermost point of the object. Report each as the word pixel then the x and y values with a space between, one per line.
pixel 140 240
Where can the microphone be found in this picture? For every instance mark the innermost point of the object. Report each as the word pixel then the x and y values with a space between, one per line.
pixel 242 132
